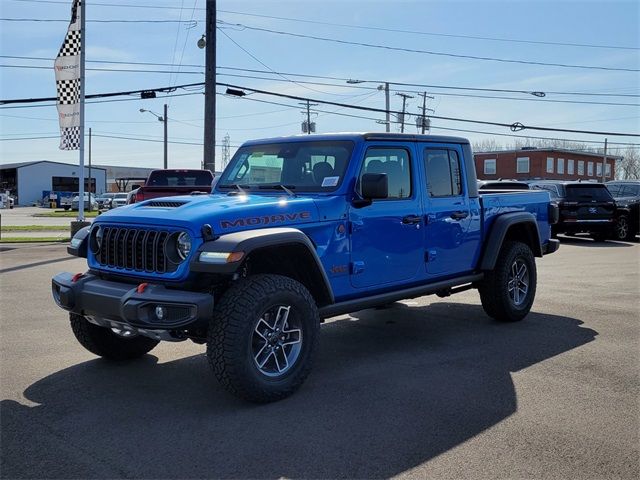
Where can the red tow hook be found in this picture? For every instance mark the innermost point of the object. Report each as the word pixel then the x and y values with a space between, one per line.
pixel 141 288
pixel 77 277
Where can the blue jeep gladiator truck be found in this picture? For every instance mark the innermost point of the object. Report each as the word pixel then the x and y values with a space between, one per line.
pixel 296 230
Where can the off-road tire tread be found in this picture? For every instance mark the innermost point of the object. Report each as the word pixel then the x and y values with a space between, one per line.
pixel 226 335
pixel 494 296
pixel 104 343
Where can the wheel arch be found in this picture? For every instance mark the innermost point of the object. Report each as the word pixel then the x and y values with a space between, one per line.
pixel 516 226
pixel 282 251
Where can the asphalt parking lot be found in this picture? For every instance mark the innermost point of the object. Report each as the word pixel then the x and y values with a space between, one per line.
pixel 429 388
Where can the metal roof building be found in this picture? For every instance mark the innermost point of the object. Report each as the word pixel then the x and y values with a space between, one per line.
pixel 27 180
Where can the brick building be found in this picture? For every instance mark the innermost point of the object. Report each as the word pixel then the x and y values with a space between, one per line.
pixel 543 163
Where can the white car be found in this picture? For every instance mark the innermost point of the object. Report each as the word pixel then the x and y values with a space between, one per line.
pixel 76 201
pixel 119 200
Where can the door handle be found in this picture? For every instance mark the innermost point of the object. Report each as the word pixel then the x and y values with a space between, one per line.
pixel 411 219
pixel 459 215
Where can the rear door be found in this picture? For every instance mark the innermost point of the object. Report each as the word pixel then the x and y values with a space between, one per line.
pixel 448 249
pixel 387 236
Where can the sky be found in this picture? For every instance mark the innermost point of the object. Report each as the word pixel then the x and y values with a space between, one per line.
pixel 602 34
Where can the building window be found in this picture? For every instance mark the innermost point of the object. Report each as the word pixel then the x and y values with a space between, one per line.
pixel 590 169
pixel 580 167
pixel 608 170
pixel 561 165
pixel 522 165
pixel 598 169
pixel 490 166
pixel 549 164
pixel 570 163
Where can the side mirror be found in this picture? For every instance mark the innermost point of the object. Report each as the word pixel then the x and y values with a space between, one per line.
pixel 374 186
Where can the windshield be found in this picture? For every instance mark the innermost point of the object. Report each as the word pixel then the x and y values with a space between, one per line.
pixel 309 166
pixel 121 195
pixel 621 190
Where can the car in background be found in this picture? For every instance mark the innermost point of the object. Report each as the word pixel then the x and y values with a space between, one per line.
pixel 119 200
pixel 585 207
pixel 502 185
pixel 75 203
pixel 627 196
pixel 169 183
pixel 104 200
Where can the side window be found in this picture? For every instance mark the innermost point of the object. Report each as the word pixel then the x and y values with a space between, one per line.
pixel 442 168
pixel 395 162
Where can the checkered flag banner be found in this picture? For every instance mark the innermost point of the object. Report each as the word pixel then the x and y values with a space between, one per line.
pixel 68 82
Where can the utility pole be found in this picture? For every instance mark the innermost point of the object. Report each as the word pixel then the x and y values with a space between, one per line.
pixel 209 160
pixel 385 87
pixel 404 106
pixel 309 126
pixel 604 162
pixel 165 119
pixel 90 189
pixel 423 120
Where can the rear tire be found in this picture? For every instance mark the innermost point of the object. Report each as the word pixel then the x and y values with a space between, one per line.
pixel 622 230
pixel 263 337
pixel 507 292
pixel 105 343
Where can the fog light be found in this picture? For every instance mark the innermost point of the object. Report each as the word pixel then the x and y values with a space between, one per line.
pixel 160 311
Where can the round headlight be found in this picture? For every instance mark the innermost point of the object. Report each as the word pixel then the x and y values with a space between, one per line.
pixel 95 239
pixel 183 245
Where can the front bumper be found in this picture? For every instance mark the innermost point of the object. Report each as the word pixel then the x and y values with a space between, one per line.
pixel 121 304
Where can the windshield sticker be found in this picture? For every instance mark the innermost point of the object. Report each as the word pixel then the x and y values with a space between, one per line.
pixel 330 181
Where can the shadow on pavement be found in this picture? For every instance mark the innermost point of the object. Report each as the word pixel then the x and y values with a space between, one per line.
pixel 391 389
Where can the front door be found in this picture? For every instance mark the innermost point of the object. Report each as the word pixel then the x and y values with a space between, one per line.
pixel 387 236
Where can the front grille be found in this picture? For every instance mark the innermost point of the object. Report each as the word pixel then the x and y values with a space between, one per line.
pixel 164 204
pixel 135 249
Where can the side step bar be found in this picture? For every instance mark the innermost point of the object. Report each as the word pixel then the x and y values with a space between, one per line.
pixel 384 298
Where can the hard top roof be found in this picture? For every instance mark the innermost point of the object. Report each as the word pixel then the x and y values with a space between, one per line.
pixel 359 136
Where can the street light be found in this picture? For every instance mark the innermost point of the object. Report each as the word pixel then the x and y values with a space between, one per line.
pixel 164 119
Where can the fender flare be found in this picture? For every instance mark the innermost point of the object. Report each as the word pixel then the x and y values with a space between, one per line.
pixel 499 230
pixel 249 241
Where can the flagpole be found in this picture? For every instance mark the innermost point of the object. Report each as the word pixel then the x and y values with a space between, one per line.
pixel 82 85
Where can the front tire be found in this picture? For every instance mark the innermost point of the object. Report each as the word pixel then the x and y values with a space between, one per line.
pixel 263 337
pixel 507 292
pixel 105 343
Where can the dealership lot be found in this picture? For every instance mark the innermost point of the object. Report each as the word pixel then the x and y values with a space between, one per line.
pixel 426 388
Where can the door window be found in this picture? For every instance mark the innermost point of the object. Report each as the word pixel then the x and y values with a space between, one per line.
pixel 395 162
pixel 443 173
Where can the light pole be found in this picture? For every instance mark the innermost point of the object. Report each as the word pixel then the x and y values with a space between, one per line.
pixel 164 119
pixel 385 87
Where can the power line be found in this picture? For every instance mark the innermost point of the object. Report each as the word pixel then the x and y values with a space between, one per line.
pixel 516 126
pixel 428 52
pixel 301 82
pixel 360 27
pixel 192 23
pixel 325 77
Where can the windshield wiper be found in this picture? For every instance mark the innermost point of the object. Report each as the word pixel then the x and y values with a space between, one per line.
pixel 238 187
pixel 279 185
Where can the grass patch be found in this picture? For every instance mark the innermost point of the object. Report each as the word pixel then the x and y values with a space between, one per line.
pixel 65 214
pixel 33 239
pixel 35 228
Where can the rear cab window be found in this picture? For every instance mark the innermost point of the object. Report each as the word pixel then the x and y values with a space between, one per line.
pixel 582 192
pixel 179 178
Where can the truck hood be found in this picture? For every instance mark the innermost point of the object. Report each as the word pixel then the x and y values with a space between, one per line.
pixel 225 213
